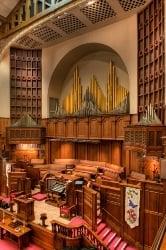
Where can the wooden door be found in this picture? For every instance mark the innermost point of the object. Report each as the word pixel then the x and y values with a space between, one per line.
pixel 90 207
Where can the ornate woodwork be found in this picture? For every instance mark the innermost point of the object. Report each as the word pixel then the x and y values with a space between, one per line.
pixel 34 135
pixel 151 76
pixel 141 141
pixel 25 83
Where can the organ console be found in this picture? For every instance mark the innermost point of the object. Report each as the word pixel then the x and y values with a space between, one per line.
pixel 61 188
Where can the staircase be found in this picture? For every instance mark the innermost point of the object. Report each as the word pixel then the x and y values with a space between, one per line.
pixel 110 238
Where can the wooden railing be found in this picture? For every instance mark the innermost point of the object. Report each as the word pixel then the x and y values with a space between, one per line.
pixel 81 231
pixel 28 11
pixel 160 235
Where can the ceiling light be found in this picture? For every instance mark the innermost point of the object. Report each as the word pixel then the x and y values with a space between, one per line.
pixel 90 2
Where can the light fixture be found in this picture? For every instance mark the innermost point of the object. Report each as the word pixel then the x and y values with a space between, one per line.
pixel 90 2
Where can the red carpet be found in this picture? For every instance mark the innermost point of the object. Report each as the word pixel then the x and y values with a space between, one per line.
pixel 10 245
pixel 39 196
pixel 76 221
pixel 110 238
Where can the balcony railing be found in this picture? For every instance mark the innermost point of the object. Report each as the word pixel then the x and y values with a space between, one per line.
pixel 27 11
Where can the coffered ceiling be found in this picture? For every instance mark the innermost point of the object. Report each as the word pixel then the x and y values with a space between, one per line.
pixel 76 18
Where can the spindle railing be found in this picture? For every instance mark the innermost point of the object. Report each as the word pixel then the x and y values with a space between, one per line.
pixel 81 231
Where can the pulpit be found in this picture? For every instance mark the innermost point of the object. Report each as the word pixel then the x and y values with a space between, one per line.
pixel 25 208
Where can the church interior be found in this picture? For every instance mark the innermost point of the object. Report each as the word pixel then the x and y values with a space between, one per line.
pixel 82 125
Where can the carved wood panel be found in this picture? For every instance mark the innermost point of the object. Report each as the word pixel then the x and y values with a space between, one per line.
pixel 83 128
pixel 71 127
pixel 108 127
pixel 60 128
pixel 95 127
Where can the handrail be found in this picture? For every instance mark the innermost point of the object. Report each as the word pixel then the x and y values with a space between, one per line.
pixel 28 11
pixel 68 231
pixel 160 234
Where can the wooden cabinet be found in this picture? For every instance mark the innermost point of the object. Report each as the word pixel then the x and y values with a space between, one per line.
pixel 25 83
pixel 151 83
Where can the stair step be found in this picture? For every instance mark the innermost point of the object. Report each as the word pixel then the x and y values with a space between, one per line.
pixel 114 244
pixel 122 245
pixel 104 233
pixel 109 238
pixel 101 227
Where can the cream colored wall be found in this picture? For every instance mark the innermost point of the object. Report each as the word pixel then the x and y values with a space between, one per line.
pixel 120 36
pixel 5 86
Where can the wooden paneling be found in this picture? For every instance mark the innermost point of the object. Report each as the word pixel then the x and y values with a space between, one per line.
pixel 81 151
pixel 51 128
pixel 55 151
pixel 108 127
pixel 93 151
pixel 17 135
pixel 154 210
pixel 60 128
pixel 90 207
pixel 94 127
pixel 67 150
pixel 116 152
pixel 111 204
pixel 43 237
pixel 4 122
pixel 25 83
pixel 71 127
pixel 104 152
pixel 151 213
pixel 83 128
pixel 120 124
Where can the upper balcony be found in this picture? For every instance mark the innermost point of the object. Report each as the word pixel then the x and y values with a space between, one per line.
pixel 28 11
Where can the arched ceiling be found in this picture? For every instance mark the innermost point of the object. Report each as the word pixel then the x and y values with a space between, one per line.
pixel 75 18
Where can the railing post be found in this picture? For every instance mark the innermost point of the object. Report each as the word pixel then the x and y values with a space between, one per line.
pixel 27 9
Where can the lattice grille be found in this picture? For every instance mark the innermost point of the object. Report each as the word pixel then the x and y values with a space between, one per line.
pixel 28 42
pixel 98 11
pixel 69 23
pixel 128 5
pixel 46 34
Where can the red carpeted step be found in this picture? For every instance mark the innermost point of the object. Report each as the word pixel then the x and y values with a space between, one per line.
pixel 114 244
pixel 109 238
pixel 101 227
pixel 103 234
pixel 122 246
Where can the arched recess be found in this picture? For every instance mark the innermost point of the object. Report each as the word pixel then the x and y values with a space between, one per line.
pixel 65 68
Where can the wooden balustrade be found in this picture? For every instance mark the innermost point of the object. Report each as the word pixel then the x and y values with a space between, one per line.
pixel 81 231
pixel 27 11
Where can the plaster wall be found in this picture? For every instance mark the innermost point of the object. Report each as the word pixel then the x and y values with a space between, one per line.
pixel 120 36
pixel 5 86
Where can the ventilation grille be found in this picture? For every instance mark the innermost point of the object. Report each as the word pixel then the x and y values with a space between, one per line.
pixel 98 11
pixel 28 42
pixel 128 5
pixel 69 23
pixel 46 34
